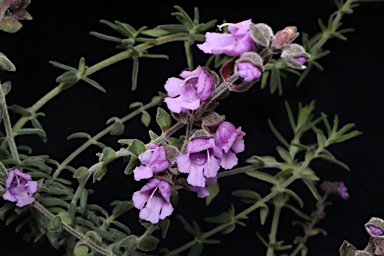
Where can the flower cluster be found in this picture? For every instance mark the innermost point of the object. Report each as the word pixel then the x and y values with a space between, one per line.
pixel 204 157
pixel 337 188
pixel 246 37
pixel 20 188
pixel 11 12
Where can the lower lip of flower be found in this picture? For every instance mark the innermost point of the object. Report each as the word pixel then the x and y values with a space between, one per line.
pixel 198 158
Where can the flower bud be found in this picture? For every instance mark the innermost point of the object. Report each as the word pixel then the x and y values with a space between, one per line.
pixel 249 66
pixel 283 37
pixel 261 34
pixel 375 227
pixel 6 64
pixel 295 56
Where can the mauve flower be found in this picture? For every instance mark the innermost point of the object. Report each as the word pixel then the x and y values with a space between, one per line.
pixel 187 94
pixel 153 200
pixel 153 161
pixel 338 188
pixel 203 191
pixel 200 161
pixel 230 140
pixel 20 188
pixel 234 44
pixel 247 71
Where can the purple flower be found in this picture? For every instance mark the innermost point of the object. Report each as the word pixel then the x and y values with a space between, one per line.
pixel 153 161
pixel 375 231
pixel 187 94
pixel 200 162
pixel 301 60
pixel 20 188
pixel 153 200
pixel 203 191
pixel 247 71
pixel 234 44
pixel 338 188
pixel 231 141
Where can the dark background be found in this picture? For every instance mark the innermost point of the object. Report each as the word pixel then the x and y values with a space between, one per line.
pixel 350 86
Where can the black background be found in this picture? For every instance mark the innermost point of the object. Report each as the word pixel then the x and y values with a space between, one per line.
pixel 350 86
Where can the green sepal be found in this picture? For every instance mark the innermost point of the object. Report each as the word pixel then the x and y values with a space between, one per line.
pixel 80 172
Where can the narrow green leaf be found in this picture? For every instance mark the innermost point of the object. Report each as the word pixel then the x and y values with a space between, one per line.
pixel 224 217
pixel 262 176
pixel 164 225
pixel 62 66
pixel 83 200
pixel 312 188
pixel 284 154
pixel 264 79
pixel 186 20
pixel 105 37
pixel 94 84
pixel 247 194
pixel 137 147
pixel 294 196
pixel 94 237
pixel 69 77
pixel 264 211
pixel 135 72
pixel 79 135
pixel 107 154
pixel 277 134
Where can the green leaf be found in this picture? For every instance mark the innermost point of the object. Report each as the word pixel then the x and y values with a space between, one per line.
pixel 275 82
pixel 6 64
pixel 174 28
pixel 224 217
pixel 5 208
pixel 53 201
pixel 62 66
pixel 99 174
pixel 183 17
pixel 20 110
pixel 29 131
pixel 80 172
pixel 137 147
pixel 79 135
pixel 121 207
pixel 284 154
pixel 164 225
pixel 262 176
pixel 247 194
pixel 213 192
pixel 155 32
pixel 69 77
pixel 133 162
pixel 81 250
pixel 332 159
pixel 148 243
pixel 145 118
pixel 117 128
pixel 264 79
pixel 54 225
pixel 107 154
pixel 94 237
pixel 83 200
pixel 312 188
pixel 128 241
pixel 135 72
pixel 196 249
pixel 277 134
pixel 294 196
pixel 106 37
pixel 94 84
pixel 264 211
pixel 163 119
pixel 298 212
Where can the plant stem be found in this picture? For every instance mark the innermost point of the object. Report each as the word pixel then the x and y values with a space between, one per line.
pixel 275 223
pixel 334 25
pixel 94 139
pixel 8 127
pixel 247 168
pixel 71 230
pixel 98 66
pixel 247 211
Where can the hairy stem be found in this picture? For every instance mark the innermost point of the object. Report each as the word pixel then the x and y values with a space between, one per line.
pixel 71 230
pixel 8 127
pixel 275 223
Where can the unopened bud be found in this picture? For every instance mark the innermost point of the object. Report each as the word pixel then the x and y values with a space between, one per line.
pixel 6 64
pixel 284 37
pixel 261 34
pixel 10 24
pixel 249 66
pixel 295 56
pixel 375 227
